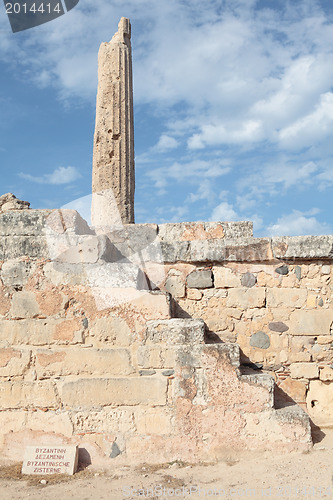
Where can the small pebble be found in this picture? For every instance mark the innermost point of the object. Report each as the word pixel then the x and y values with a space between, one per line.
pixel 43 481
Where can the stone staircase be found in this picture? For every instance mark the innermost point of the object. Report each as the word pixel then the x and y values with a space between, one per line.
pixel 214 407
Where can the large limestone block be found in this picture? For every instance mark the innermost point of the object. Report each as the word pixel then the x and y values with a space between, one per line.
pixel 320 402
pixel 175 331
pixel 50 422
pixel 19 394
pixel 16 272
pixel 29 331
pixel 225 278
pixel 12 247
pixel 24 305
pixel 13 362
pixel 110 330
pixel 41 332
pixel 96 392
pixel 23 223
pixel 201 278
pixel 169 357
pixel 295 389
pixel 74 249
pixel 82 361
pixel 326 374
pixel 120 420
pixel 317 322
pixel 280 297
pixel 175 286
pixel 246 298
pixel 304 370
pixel 286 429
pixel 190 231
pixel 302 247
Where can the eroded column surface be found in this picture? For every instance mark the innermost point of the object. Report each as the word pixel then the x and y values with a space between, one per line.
pixel 113 179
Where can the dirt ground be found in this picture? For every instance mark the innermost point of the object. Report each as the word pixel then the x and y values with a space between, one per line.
pixel 254 475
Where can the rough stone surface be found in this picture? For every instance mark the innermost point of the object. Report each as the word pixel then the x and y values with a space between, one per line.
pixel 175 331
pixel 190 231
pixel 261 340
pixel 9 202
pixel 113 180
pixel 278 326
pixel 326 270
pixel 115 451
pixel 175 286
pixel 24 305
pixel 114 391
pixel 246 298
pixel 319 403
pixel 200 279
pixel 15 272
pixel 225 278
pixel 76 361
pixel 302 247
pixel 279 297
pixel 283 270
pixel 295 389
pixel 249 280
pixel 326 374
pixel 304 370
pixel 298 272
pixel 313 322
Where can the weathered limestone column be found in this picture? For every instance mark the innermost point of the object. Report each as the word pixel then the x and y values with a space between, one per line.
pixel 113 178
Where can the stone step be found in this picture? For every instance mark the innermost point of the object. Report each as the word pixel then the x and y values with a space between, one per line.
pixel 261 380
pixel 285 428
pixel 175 331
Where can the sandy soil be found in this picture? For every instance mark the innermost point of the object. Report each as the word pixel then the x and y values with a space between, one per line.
pixel 253 475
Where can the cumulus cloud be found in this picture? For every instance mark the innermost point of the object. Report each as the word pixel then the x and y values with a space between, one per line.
pixel 165 143
pixel 193 171
pixel 61 175
pixel 310 128
pixel 298 223
pixel 224 212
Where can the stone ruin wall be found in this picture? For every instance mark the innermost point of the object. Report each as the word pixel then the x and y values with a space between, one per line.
pixel 119 379
pixel 271 296
pixel 185 341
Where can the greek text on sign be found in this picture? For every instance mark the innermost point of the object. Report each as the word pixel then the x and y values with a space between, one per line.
pixel 50 460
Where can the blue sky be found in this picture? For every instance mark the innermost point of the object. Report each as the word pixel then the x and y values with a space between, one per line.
pixel 233 109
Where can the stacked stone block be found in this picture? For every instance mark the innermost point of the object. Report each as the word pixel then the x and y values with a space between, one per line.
pixel 161 374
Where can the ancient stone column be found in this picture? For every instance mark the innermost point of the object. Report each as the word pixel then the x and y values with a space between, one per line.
pixel 113 178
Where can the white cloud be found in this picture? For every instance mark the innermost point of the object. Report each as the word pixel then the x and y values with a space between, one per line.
pixel 275 178
pixel 61 175
pixel 205 192
pixel 224 212
pixel 222 77
pixel 298 223
pixel 165 143
pixel 193 172
pixel 231 133
pixel 311 128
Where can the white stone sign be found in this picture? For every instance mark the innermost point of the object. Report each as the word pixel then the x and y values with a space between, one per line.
pixel 50 460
